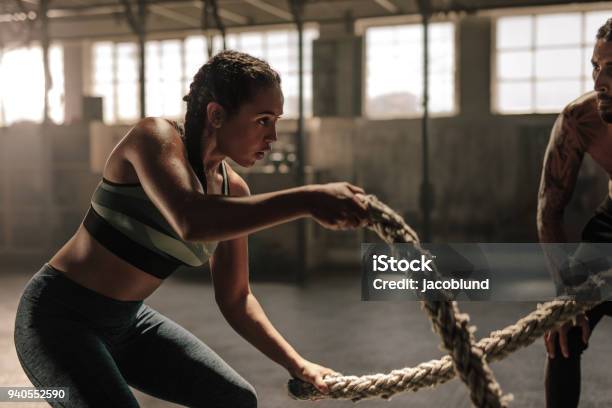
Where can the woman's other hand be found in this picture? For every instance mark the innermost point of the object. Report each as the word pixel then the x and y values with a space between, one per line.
pixel 313 373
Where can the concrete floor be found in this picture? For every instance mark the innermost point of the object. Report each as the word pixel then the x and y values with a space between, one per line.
pixel 327 323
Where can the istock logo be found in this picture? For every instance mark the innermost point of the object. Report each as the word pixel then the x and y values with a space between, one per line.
pixel 384 263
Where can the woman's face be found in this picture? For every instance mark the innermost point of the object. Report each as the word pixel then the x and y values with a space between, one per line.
pixel 249 134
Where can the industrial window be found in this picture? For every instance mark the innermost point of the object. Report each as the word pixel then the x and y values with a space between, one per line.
pixel 23 100
pixel 115 78
pixel 279 48
pixel 542 61
pixel 171 65
pixel 165 79
pixel 394 70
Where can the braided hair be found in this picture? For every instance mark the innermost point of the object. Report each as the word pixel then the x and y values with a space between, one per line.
pixel 605 31
pixel 229 78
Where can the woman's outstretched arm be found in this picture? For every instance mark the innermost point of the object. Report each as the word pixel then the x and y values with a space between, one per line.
pixel 156 152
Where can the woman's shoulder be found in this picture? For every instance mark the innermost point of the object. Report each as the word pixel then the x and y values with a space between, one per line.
pixel 156 124
pixel 237 186
pixel 148 138
pixel 153 130
pixel 178 126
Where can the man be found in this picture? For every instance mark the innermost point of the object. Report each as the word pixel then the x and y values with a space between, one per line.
pixel 584 126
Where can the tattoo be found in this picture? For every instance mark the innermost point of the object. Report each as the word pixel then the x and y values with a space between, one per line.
pixel 561 165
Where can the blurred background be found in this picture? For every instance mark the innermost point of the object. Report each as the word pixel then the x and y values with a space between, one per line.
pixel 75 75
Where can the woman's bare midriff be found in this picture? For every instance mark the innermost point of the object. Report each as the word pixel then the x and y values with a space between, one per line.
pixel 88 263
pixel 83 260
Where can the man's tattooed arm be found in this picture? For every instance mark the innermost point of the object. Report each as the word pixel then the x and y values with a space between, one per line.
pixel 561 165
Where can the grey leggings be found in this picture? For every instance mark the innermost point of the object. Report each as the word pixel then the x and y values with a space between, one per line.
pixel 67 335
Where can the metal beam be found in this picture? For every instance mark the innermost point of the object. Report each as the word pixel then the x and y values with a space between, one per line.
pixel 165 3
pixel 270 9
pixel 108 9
pixel 45 41
pixel 138 23
pixel 215 10
pixel 90 11
pixel 227 15
pixel 388 5
pixel 160 8
pixel 233 17
pixel 297 11
pixel 174 15
pixel 446 6
pixel 131 18
pixel 210 11
pixel 426 200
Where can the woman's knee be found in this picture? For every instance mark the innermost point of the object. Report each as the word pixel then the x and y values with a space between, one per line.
pixel 245 396
pixel 232 393
pixel 240 394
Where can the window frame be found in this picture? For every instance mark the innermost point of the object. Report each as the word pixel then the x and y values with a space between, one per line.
pixel 362 25
pixel 583 44
pixel 62 82
pixel 182 37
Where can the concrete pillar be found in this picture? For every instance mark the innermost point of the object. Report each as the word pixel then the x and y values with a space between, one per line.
pixel 73 81
pixel 337 71
pixel 474 42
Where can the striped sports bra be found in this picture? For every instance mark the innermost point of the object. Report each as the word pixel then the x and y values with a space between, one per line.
pixel 123 219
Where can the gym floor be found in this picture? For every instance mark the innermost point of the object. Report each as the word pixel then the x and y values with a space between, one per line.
pixel 328 324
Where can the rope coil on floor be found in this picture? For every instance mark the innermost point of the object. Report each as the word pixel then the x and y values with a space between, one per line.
pixel 467 358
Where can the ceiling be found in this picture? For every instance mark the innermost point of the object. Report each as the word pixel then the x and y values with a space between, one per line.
pixel 106 18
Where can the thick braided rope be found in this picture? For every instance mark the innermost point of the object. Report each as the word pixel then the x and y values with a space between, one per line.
pixel 500 343
pixel 468 359
pixel 447 321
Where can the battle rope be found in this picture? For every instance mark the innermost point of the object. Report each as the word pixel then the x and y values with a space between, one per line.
pixel 466 357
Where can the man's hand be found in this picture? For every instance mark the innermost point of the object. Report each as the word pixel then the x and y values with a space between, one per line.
pixel 550 337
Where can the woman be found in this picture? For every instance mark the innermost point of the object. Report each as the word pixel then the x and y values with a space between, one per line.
pixel 163 202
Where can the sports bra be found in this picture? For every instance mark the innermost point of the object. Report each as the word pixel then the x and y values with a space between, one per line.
pixel 123 219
